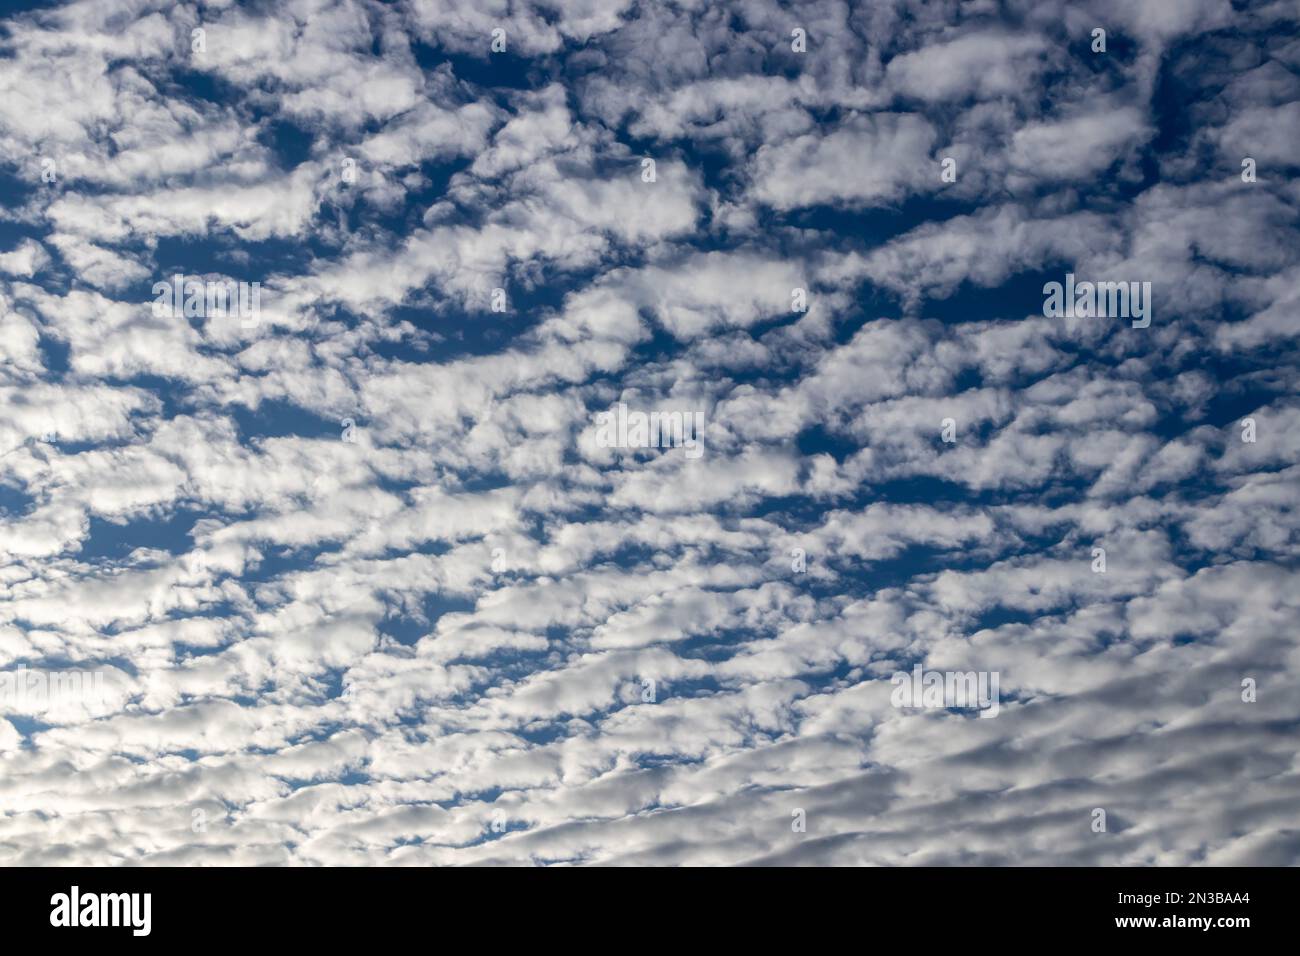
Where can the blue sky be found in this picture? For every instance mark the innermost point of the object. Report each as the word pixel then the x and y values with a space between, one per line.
pixel 367 586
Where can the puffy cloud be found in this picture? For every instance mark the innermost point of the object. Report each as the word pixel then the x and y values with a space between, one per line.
pixel 367 584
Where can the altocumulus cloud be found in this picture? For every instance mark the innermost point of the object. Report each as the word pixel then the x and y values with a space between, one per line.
pixel 317 543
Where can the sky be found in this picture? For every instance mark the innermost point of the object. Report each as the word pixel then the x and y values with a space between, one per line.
pixel 370 574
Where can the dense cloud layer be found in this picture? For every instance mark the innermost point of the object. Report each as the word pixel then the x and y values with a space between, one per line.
pixel 359 577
